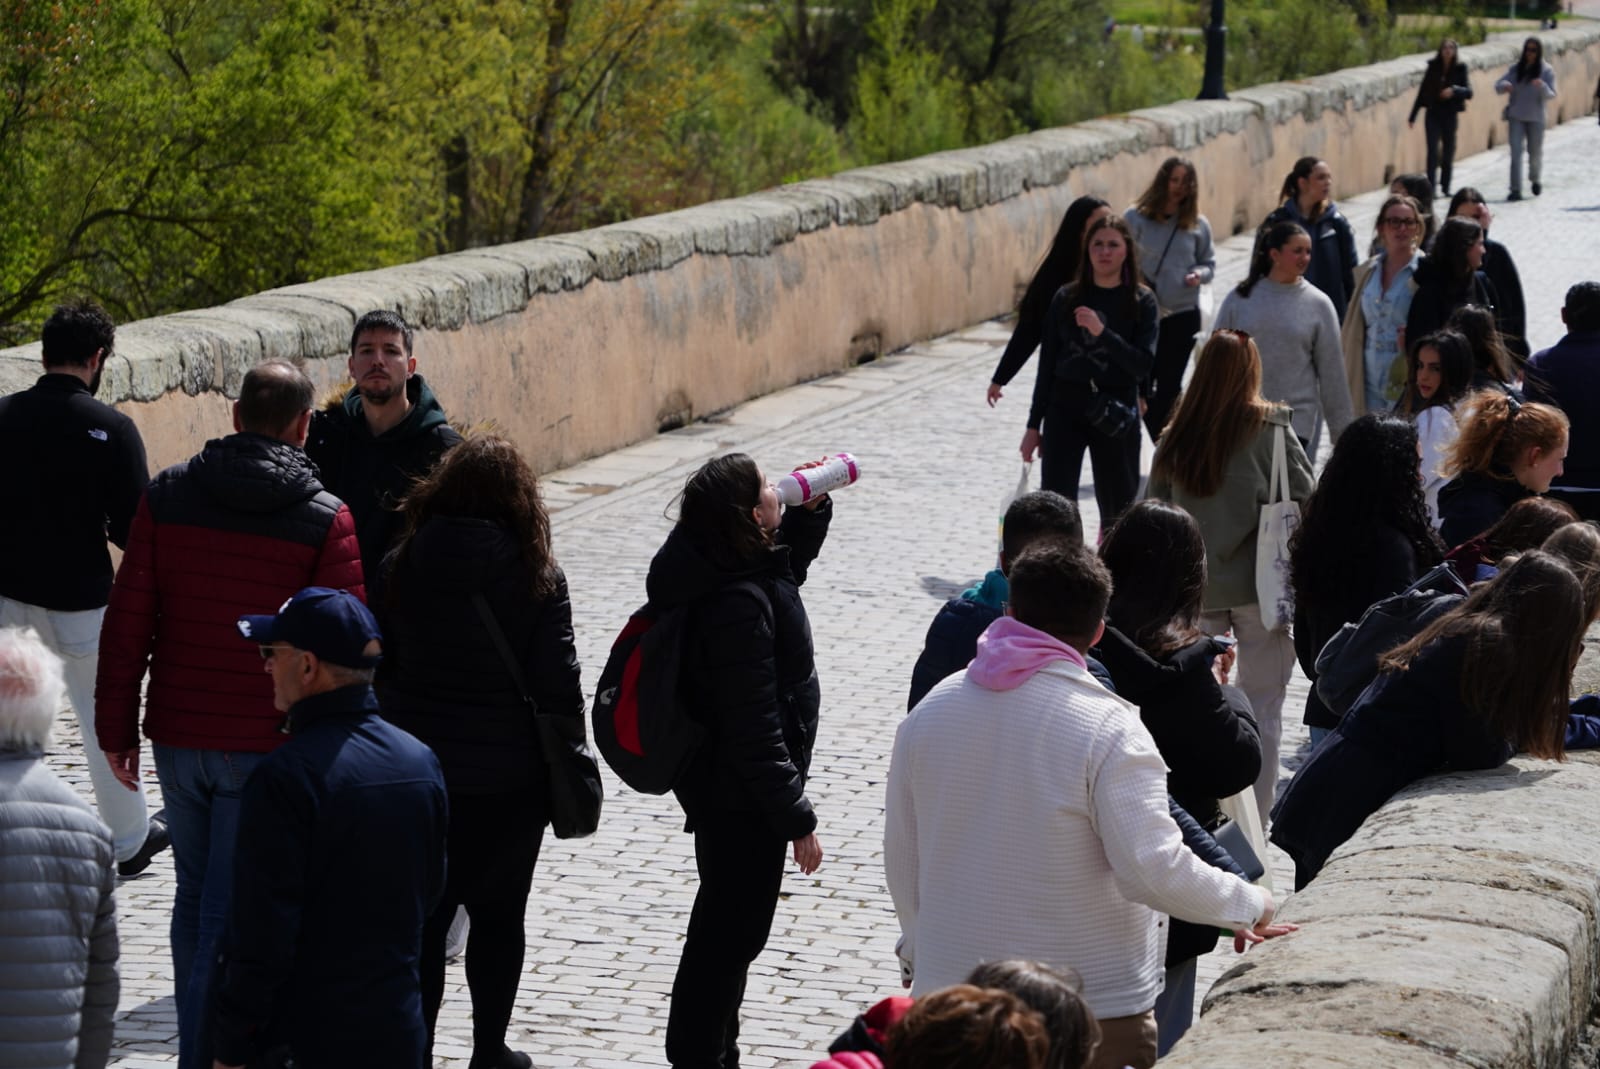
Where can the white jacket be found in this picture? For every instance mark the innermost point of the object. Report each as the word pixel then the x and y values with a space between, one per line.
pixel 1033 823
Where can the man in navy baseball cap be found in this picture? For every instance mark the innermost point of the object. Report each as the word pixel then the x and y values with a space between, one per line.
pixel 340 858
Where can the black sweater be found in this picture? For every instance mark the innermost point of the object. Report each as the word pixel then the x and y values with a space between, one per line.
pixel 77 470
pixel 1433 81
pixel 1117 361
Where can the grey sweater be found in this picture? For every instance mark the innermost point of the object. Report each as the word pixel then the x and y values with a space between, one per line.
pixel 1191 251
pixel 58 922
pixel 1302 365
pixel 1527 98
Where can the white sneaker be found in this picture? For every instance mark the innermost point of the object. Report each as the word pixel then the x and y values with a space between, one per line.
pixel 455 941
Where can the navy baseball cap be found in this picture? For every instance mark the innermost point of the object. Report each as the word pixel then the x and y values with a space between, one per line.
pixel 333 624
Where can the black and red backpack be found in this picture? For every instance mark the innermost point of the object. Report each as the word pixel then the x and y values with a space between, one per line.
pixel 642 726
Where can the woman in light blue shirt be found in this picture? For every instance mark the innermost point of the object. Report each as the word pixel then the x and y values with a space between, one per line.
pixel 1373 335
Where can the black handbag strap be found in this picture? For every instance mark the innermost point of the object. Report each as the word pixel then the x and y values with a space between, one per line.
pixel 498 637
pixel 1165 249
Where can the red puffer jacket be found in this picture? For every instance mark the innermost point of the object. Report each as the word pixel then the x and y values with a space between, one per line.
pixel 234 530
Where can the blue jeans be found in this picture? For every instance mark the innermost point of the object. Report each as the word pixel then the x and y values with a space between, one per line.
pixel 201 791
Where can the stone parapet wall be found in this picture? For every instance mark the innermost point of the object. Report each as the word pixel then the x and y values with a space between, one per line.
pixel 1457 928
pixel 580 343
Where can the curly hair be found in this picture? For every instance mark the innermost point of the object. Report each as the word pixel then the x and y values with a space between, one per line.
pixel 483 478
pixel 1372 484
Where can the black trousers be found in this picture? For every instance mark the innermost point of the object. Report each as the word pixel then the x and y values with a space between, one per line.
pixel 1115 461
pixel 1173 346
pixel 1440 130
pixel 740 861
pixel 492 847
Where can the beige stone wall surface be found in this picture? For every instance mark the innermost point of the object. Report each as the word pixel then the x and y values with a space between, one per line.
pixel 581 343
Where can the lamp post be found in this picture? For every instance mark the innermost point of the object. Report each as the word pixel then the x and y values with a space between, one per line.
pixel 1216 54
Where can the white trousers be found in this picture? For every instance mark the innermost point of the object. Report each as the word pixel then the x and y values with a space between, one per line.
pixel 75 637
pixel 1266 661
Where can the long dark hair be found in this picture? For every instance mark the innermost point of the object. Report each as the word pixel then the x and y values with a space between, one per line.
pixel 1524 630
pixel 1060 264
pixel 1526 525
pixel 1464 195
pixel 1455 371
pixel 1371 485
pixel 1274 238
pixel 716 510
pixel 1129 284
pixel 1157 560
pixel 1477 325
pixel 1220 410
pixel 1152 203
pixel 1526 71
pixel 484 478
pixel 1449 256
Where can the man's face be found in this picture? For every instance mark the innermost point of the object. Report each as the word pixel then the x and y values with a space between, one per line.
pixel 379 366
pixel 286 665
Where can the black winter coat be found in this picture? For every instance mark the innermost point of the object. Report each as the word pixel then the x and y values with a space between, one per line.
pixel 1388 565
pixel 1206 733
pixel 370 474
pixel 1333 251
pixel 1433 81
pixel 1405 726
pixel 446 682
pixel 1436 298
pixel 1473 502
pixel 750 674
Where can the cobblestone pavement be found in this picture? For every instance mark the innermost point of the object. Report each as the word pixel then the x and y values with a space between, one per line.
pixel 607 915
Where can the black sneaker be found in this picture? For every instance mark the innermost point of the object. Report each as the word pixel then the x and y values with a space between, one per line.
pixel 1536 189
pixel 1514 195
pixel 156 840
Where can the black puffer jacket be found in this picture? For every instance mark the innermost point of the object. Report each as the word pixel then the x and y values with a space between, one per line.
pixel 1206 734
pixel 370 474
pixel 750 672
pixel 444 679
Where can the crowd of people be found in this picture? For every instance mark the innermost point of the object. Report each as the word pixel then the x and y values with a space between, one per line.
pixel 342 629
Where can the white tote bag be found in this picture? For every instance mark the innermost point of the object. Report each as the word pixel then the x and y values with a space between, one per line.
pixel 1279 517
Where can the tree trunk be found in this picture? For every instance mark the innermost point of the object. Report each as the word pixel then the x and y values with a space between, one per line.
pixel 535 204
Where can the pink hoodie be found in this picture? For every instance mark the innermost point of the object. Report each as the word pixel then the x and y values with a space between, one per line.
pixel 1009 653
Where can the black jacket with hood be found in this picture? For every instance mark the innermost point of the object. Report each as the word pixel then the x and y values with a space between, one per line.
pixel 370 474
pixel 750 674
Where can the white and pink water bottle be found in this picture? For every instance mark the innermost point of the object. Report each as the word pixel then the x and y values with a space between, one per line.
pixel 807 484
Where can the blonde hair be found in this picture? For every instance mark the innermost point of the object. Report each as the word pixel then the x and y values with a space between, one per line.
pixel 1221 409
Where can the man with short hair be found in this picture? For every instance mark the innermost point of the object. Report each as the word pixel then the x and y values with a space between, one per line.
pixel 1567 375
pixel 387 431
pixel 953 636
pixel 58 911
pixel 76 468
pixel 1027 817
pixel 242 524
pixel 341 858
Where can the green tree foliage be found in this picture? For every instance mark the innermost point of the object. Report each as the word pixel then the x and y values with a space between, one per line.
pixel 168 154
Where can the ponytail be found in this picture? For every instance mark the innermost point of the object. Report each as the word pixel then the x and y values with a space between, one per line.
pixel 1497 429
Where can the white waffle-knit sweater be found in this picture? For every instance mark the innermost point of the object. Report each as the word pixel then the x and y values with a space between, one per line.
pixel 1033 823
